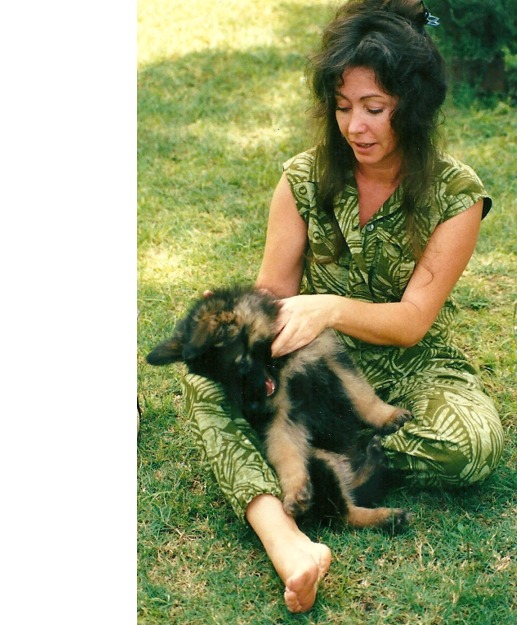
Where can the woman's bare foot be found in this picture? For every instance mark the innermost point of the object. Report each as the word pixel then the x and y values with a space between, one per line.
pixel 299 562
pixel 309 567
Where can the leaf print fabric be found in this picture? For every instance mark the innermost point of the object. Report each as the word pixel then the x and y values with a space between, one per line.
pixel 228 444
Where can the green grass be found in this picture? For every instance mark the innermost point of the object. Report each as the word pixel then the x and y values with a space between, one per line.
pixel 222 104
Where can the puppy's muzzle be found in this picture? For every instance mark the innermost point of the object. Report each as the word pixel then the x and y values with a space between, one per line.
pixel 270 385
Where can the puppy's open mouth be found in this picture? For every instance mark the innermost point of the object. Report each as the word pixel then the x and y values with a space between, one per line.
pixel 270 386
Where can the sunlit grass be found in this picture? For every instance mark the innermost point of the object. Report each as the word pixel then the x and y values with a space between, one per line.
pixel 166 27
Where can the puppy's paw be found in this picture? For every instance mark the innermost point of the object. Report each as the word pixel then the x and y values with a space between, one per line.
pixel 374 451
pixel 400 416
pixel 299 501
pixel 398 520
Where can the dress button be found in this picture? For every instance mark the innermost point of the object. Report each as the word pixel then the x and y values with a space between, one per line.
pixel 370 227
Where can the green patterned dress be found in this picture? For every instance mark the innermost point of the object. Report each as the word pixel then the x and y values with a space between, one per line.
pixel 455 437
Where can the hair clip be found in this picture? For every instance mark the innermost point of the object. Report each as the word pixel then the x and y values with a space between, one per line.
pixel 430 20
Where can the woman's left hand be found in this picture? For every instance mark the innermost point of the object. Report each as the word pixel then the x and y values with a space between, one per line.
pixel 301 319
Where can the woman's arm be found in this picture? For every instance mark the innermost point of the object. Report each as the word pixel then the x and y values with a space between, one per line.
pixel 282 264
pixel 402 323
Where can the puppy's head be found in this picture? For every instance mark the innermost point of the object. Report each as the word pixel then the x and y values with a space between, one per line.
pixel 210 322
pixel 226 337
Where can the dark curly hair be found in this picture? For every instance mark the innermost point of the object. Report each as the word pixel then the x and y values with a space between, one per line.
pixel 388 37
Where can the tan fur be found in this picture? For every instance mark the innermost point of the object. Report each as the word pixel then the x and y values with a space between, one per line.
pixel 374 517
pixel 342 470
pixel 372 410
pixel 260 327
pixel 356 516
pixel 287 449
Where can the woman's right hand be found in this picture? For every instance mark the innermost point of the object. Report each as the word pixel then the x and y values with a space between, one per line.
pixel 300 320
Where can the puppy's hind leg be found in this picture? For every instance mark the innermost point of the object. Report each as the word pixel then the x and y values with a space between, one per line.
pixel 393 519
pixel 372 477
pixel 372 462
pixel 357 516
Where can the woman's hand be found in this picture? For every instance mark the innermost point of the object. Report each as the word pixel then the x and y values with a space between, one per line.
pixel 301 319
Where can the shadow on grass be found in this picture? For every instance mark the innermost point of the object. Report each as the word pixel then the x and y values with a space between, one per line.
pixel 214 129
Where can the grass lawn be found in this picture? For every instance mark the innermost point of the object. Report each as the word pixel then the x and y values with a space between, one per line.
pixel 222 103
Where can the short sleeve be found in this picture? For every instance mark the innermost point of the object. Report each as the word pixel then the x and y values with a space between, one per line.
pixel 299 171
pixel 459 188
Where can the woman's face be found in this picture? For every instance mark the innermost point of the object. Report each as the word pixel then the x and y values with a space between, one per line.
pixel 363 114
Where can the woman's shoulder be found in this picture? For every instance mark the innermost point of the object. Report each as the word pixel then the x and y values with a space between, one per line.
pixel 301 173
pixel 455 176
pixel 458 185
pixel 302 167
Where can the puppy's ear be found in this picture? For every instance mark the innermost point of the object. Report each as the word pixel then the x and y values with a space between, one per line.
pixel 170 350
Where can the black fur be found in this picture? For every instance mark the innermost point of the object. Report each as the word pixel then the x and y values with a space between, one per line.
pixel 307 406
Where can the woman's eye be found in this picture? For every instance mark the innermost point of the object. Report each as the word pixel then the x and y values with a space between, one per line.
pixel 346 109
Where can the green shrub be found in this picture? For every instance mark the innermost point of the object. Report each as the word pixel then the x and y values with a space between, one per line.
pixel 475 36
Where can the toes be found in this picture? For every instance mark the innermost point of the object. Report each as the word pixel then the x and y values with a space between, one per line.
pixel 291 601
pixel 402 416
pixel 301 586
pixel 300 591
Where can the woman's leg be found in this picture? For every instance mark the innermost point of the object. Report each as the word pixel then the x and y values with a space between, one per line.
pixel 233 452
pixel 229 444
pixel 455 437
pixel 299 562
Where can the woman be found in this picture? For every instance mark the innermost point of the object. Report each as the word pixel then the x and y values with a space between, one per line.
pixel 368 234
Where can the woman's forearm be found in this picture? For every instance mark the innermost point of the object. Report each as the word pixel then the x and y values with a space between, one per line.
pixel 303 317
pixel 398 323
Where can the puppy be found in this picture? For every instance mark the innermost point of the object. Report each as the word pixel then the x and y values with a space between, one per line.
pixel 307 406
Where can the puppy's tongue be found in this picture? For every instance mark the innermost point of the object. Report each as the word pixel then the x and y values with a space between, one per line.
pixel 270 386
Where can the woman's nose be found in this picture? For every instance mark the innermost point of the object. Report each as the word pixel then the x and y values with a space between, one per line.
pixel 357 123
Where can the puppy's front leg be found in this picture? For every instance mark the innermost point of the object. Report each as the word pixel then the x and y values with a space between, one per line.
pixel 287 450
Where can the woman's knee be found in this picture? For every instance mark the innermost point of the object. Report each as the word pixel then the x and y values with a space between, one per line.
pixel 449 445
pixel 486 439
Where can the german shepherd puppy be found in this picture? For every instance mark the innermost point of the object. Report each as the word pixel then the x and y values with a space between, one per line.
pixel 307 406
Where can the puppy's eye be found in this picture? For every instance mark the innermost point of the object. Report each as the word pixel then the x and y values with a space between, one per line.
pixel 243 364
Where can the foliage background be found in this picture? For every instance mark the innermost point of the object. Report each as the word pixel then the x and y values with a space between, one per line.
pixel 222 103
pixel 477 29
